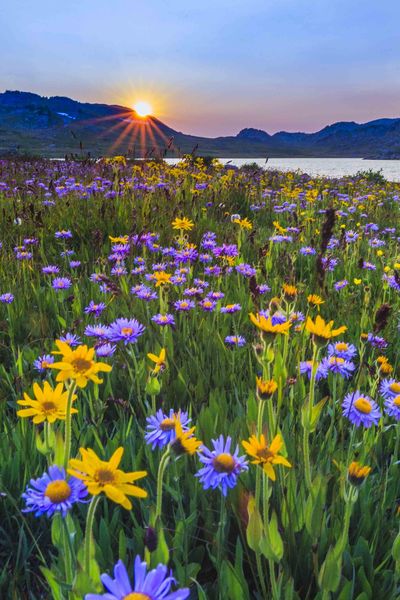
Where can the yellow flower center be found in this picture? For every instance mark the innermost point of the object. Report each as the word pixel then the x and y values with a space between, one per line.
pixel 224 463
pixel 336 360
pixel 49 407
pixel 341 346
pixel 395 387
pixel 363 405
pixel 104 476
pixel 81 365
pixel 167 424
pixel 136 596
pixel 126 330
pixel 396 401
pixel 58 491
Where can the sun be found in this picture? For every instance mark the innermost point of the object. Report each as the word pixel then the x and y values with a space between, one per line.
pixel 142 108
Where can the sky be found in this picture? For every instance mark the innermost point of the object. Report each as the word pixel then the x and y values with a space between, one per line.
pixel 211 67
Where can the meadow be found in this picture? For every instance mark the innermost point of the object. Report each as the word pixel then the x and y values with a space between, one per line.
pixel 199 383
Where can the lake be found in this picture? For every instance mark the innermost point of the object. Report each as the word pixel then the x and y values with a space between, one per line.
pixel 329 167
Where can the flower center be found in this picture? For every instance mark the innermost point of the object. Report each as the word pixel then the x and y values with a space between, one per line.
pixel 136 596
pixel 81 365
pixel 363 405
pixel 224 463
pixel 336 360
pixel 49 407
pixel 104 476
pixel 341 346
pixel 265 454
pixel 396 401
pixel 395 387
pixel 167 424
pixel 126 330
pixel 58 491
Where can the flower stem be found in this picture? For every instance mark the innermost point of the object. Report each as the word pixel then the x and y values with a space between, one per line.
pixel 67 553
pixel 88 533
pixel 160 476
pixel 68 424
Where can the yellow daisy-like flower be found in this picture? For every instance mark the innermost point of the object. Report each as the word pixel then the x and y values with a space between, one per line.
pixel 78 364
pixel 161 278
pixel 185 442
pixel 315 300
pixel 289 291
pixel 266 325
pixel 266 389
pixel 49 405
pixel 323 331
pixel 101 476
pixel 184 223
pixel 122 239
pixel 357 473
pixel 264 455
pixel 158 360
pixel 244 223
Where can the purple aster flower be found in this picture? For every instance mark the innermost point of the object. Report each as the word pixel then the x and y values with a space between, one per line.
pixel 61 283
pixel 389 388
pixel 98 331
pixel 307 251
pixel 63 235
pixel 7 298
pixel 339 285
pixel 246 270
pixel 361 410
pixel 53 493
pixel 342 349
pixel 42 363
pixel 50 270
pixel 160 428
pixel 207 304
pixel 392 407
pixel 125 330
pixel 163 320
pixel 119 271
pixel 306 369
pixel 215 295
pixel 230 308
pixel 235 340
pixel 336 364
pixel 71 339
pixel 74 264
pixel 184 305
pixel 95 308
pixel 105 350
pixel 376 341
pixel 152 585
pixel 221 468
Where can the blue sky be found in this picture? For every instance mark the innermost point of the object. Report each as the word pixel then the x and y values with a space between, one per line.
pixel 211 67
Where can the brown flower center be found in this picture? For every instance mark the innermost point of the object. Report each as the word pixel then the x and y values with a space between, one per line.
pixel 265 454
pixel 104 476
pixel 49 407
pixel 81 365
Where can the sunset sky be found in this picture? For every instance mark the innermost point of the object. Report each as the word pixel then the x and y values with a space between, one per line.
pixel 211 67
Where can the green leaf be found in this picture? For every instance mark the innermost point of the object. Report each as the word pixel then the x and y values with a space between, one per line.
pixel 230 583
pixel 329 574
pixel 271 544
pixel 52 582
pixel 314 509
pixel 396 548
pixel 254 531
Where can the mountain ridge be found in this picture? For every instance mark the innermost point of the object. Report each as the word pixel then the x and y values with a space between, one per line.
pixel 57 125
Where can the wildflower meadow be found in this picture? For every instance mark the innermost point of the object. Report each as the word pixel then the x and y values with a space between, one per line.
pixel 199 383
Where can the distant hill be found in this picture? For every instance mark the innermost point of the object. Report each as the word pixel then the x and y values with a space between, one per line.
pixel 59 126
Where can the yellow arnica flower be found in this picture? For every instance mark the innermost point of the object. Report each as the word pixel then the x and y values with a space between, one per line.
pixel 265 389
pixel 122 239
pixel 49 404
pixel 357 473
pixel 315 300
pixel 264 455
pixel 158 360
pixel 289 291
pixel 161 278
pixel 101 476
pixel 78 364
pixel 265 324
pixel 243 223
pixel 323 331
pixel 185 442
pixel 183 223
